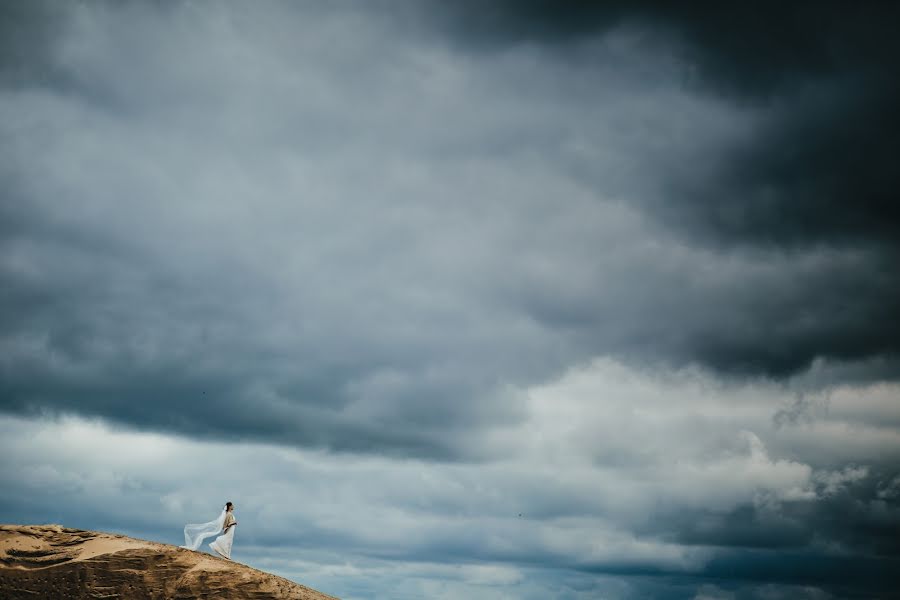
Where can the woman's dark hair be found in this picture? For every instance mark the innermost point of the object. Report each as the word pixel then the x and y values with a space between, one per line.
pixel 227 505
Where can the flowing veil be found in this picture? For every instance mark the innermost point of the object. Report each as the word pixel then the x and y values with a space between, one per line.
pixel 195 533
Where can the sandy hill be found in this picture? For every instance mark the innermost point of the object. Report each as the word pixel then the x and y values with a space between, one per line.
pixel 51 561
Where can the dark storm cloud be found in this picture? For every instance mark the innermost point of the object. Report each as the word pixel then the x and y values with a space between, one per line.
pixel 273 246
pixel 817 169
pixel 821 167
pixel 27 33
pixel 858 517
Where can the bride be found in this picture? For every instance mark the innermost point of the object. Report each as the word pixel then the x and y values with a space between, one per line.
pixel 195 533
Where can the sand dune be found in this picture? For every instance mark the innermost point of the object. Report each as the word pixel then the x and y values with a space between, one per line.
pixel 55 562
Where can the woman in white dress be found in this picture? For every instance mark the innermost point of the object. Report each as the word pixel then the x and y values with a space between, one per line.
pixel 222 544
pixel 195 533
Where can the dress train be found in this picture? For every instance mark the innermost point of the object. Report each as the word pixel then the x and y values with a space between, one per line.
pixel 222 544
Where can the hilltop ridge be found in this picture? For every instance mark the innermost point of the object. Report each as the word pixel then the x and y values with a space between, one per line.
pixel 52 561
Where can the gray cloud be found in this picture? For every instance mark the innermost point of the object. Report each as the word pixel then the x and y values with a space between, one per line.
pixel 377 232
pixel 816 169
pixel 713 491
pixel 280 246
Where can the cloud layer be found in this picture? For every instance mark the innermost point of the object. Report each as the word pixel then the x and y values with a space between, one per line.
pixel 611 472
pixel 224 203
pixel 426 244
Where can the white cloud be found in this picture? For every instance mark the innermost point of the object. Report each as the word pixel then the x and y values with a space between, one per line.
pixel 603 464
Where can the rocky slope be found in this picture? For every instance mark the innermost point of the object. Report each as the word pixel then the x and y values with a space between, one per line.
pixel 51 561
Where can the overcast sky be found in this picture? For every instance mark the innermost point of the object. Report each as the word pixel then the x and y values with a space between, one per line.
pixel 518 299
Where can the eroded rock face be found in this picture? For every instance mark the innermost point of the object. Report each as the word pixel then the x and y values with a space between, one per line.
pixel 51 561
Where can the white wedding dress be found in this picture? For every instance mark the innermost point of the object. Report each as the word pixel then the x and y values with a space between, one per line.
pixel 222 544
pixel 195 533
